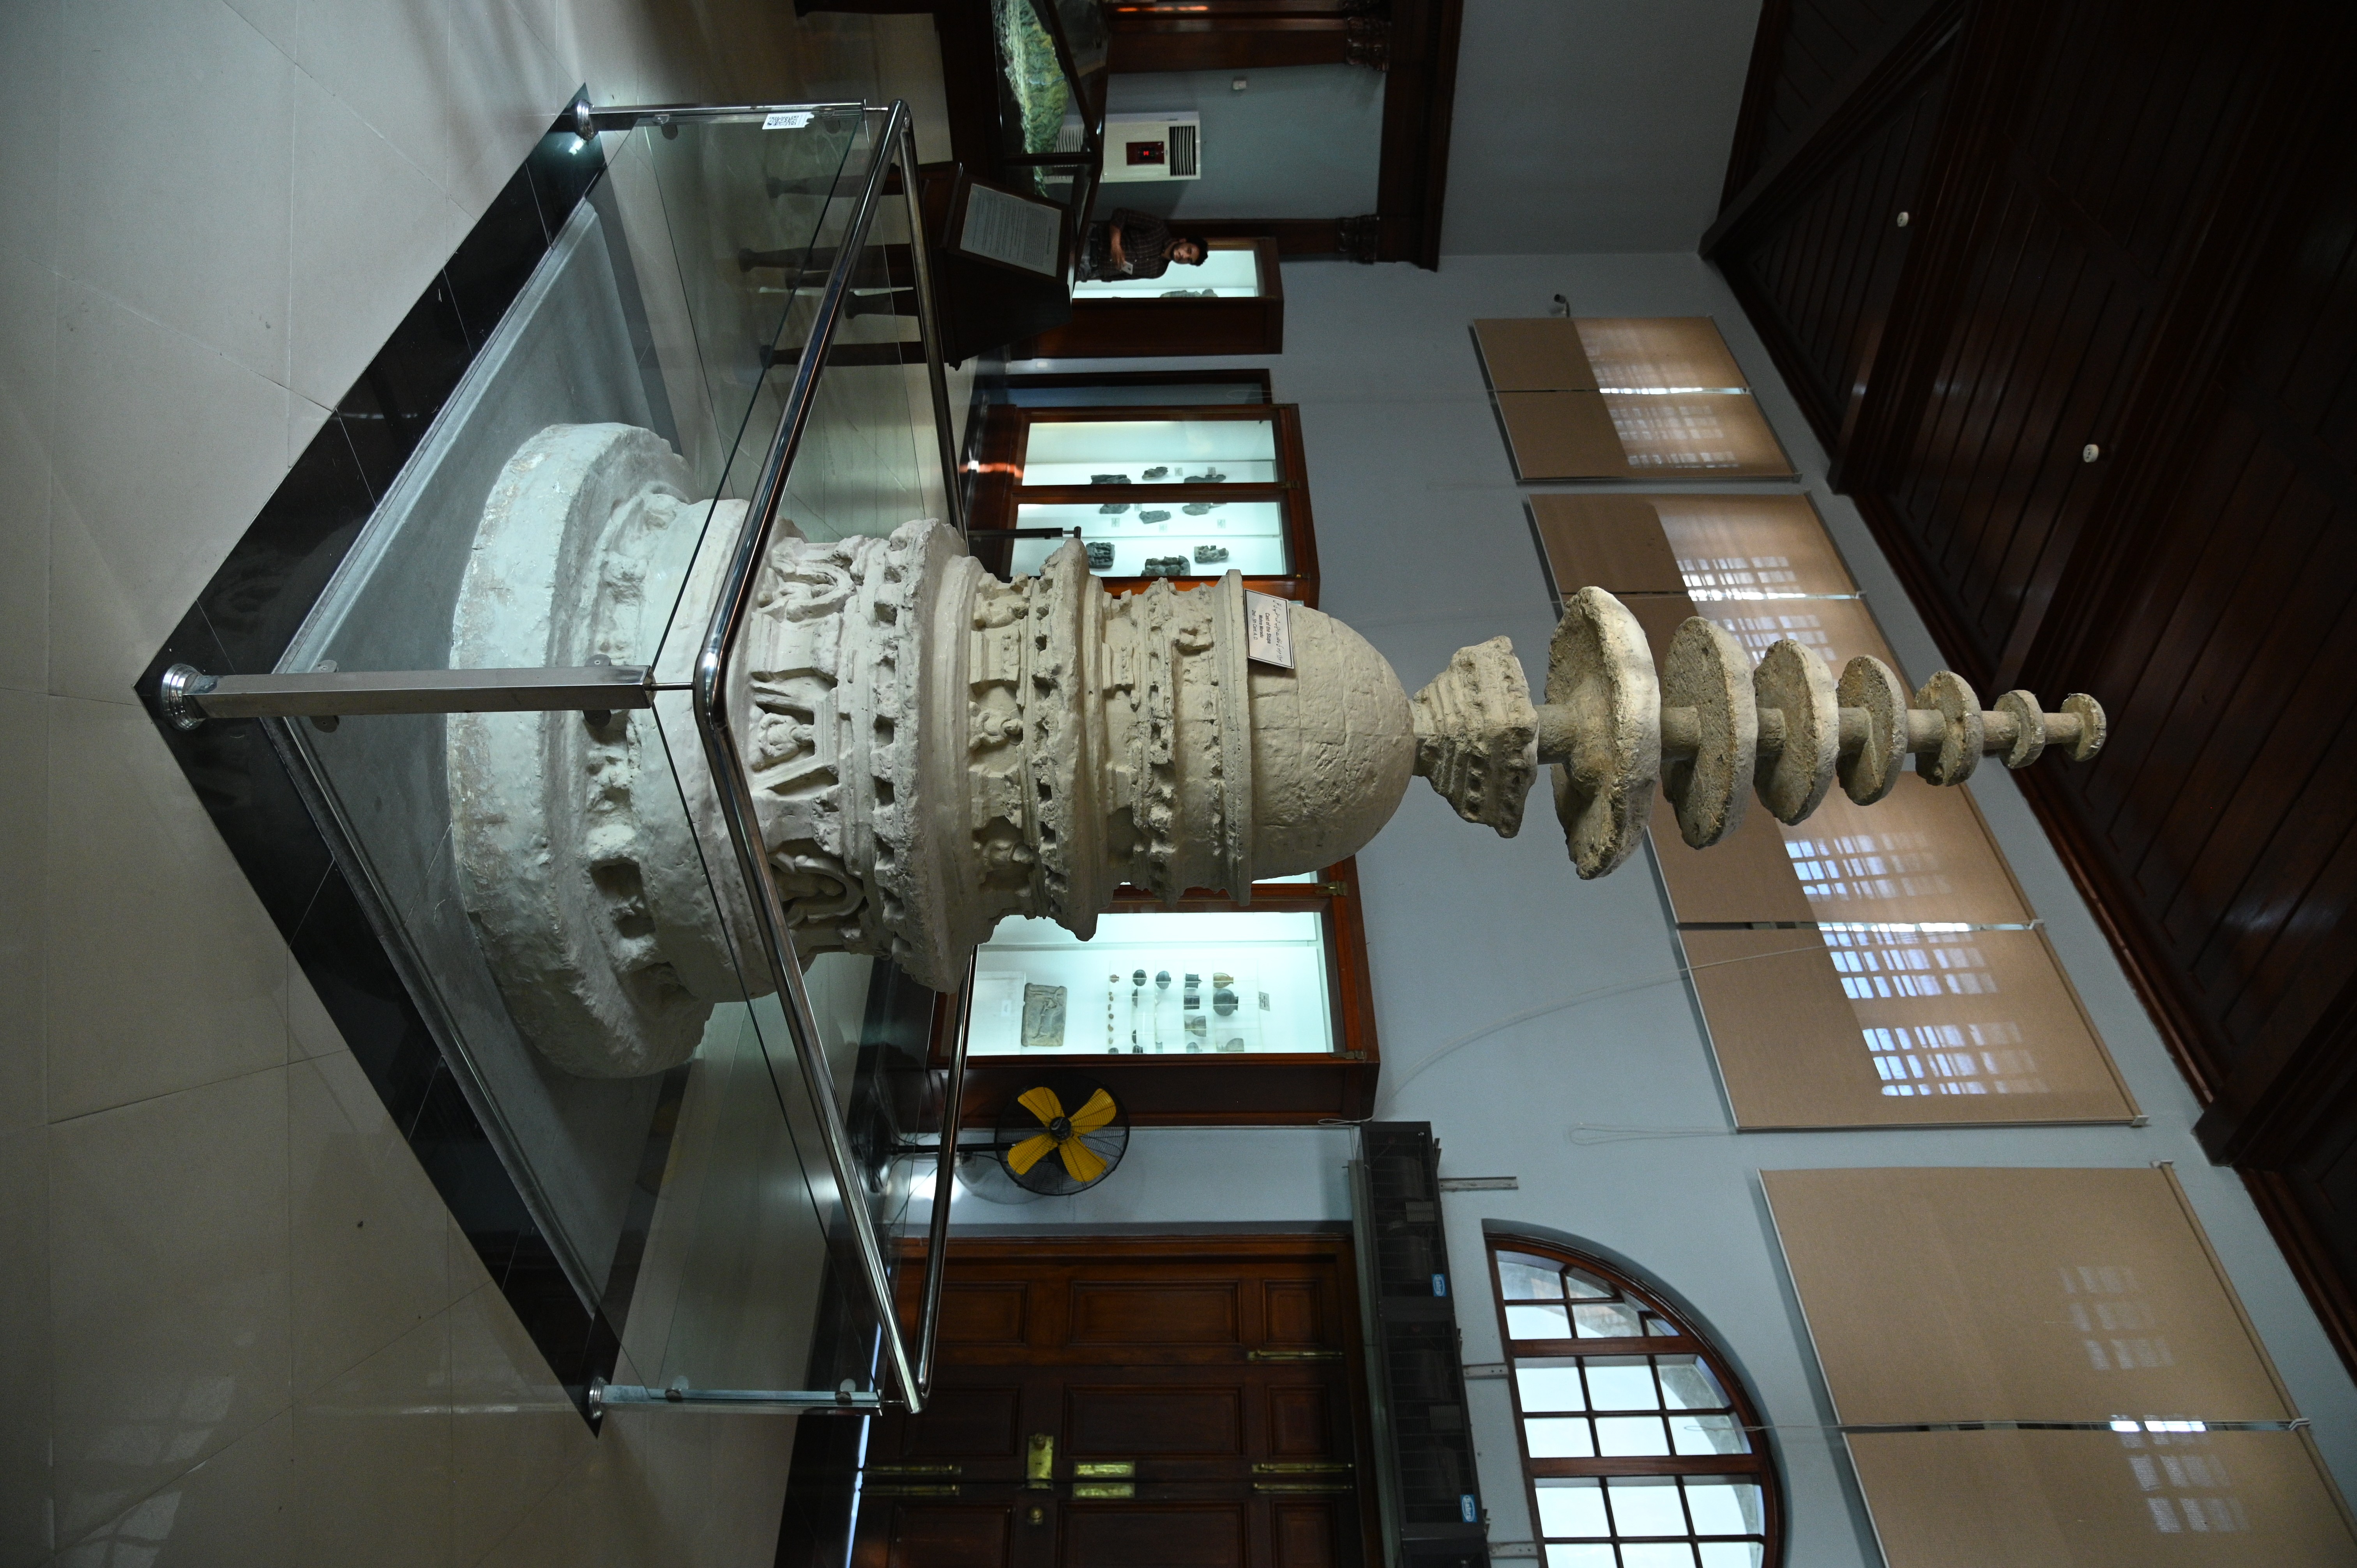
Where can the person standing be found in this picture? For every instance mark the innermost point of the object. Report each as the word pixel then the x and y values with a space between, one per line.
pixel 1133 246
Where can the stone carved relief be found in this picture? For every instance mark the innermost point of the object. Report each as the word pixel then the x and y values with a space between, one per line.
pixel 932 750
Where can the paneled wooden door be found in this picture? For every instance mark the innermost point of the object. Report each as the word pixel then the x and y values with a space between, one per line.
pixel 1132 1403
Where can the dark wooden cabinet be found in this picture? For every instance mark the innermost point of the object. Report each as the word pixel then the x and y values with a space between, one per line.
pixel 2098 400
pixel 1128 1402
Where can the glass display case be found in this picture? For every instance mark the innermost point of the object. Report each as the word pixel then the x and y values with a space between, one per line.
pixel 1215 1011
pixel 1187 492
pixel 1051 85
pixel 1232 270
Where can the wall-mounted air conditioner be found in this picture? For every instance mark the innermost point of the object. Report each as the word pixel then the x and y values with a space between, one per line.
pixel 1153 146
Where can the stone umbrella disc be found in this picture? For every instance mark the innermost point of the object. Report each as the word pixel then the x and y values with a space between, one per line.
pixel 1961 730
pixel 2093 727
pixel 1601 672
pixel 2028 728
pixel 1707 670
pixel 1872 770
pixel 1798 685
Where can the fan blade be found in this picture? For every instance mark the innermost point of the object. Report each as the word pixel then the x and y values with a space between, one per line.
pixel 1099 1111
pixel 1041 1102
pixel 1030 1152
pixel 1085 1163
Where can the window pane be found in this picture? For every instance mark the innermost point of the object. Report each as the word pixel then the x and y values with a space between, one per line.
pixel 1579 1557
pixel 1529 1279
pixel 1606 1320
pixel 1558 1439
pixel 1707 1434
pixel 1549 1385
pixel 1622 1382
pixel 1537 1322
pixel 1647 1505
pixel 1580 1283
pixel 1632 1435
pixel 1688 1384
pixel 1725 1508
pixel 1661 1327
pixel 1732 1554
pixel 1572 1508
pixel 1661 1554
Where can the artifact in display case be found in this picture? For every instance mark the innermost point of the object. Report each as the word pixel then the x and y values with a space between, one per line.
pixel 933 751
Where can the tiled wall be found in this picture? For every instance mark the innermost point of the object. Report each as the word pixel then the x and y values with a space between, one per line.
pixel 236 1325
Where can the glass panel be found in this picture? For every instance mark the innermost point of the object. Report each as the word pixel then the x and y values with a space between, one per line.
pixel 1572 1507
pixel 1529 1279
pixel 1250 981
pixel 1707 1434
pixel 1579 1282
pixel 1622 1382
pixel 1602 1320
pixel 1659 1327
pixel 1687 1383
pixel 1229 272
pixel 1633 1435
pixel 1646 1505
pixel 1549 1385
pixel 1151 452
pixel 1559 1438
pixel 1732 1553
pixel 1657 1554
pixel 1172 539
pixel 1538 1322
pixel 1725 1508
pixel 1580 1557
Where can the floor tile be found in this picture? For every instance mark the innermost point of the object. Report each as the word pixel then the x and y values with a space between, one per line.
pixel 373 1458
pixel 273 19
pixel 163 969
pixel 237 1507
pixel 190 227
pixel 369 1250
pixel 24 840
pixel 133 542
pixel 310 1032
pixel 25 1346
pixel 516 1434
pixel 168 1288
pixel 371 230
pixel 506 88
pixel 29 330
pixel 390 62
pixel 257 600
pixel 31 79
pixel 386 411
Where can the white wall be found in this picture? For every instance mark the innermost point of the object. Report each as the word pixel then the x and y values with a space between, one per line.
pixel 1589 125
pixel 1302 141
pixel 1608 1109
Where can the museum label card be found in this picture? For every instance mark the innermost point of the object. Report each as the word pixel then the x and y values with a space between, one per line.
pixel 787 120
pixel 1268 630
pixel 1003 228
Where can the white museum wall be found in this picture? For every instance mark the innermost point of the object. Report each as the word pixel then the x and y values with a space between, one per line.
pixel 1300 141
pixel 235 1326
pixel 1538 1022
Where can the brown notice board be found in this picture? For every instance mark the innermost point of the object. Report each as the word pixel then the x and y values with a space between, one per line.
pixel 1609 542
pixel 1561 436
pixel 2102 1499
pixel 1973 1294
pixel 1533 354
pixel 1659 351
pixel 1899 1028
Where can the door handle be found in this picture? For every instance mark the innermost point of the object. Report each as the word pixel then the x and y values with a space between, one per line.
pixel 1294 1356
pixel 1040 1463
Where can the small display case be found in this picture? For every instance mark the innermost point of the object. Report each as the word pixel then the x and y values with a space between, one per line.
pixel 1184 493
pixel 1212 1012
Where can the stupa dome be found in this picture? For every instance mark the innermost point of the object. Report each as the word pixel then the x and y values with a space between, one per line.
pixel 1333 747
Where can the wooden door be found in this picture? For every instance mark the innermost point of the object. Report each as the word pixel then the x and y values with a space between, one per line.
pixel 1125 1402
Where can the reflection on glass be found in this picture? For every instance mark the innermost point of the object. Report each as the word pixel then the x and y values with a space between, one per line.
pixel 1751 547
pixel 1646 1505
pixel 1606 1320
pixel 1155 984
pixel 1724 1507
pixel 1538 1322
pixel 1697 433
pixel 1580 1283
pixel 1528 1279
pixel 1549 1385
pixel 1572 1507
pixel 1707 1434
pixel 1149 539
pixel 1559 1438
pixel 1622 1382
pixel 1687 1384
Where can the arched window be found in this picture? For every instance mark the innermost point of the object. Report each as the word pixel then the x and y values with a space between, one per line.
pixel 1639 1448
